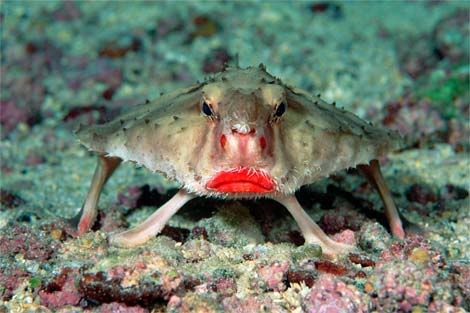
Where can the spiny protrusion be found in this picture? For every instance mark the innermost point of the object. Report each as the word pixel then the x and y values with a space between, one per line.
pixel 147 121
pixel 147 101
pixel 318 95
pixel 334 103
pixel 121 121
pixel 262 67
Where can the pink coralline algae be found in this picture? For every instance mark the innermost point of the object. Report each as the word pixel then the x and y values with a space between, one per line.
pixel 10 279
pixel 462 279
pixel 225 286
pixel 330 295
pixel 415 248
pixel 441 306
pixel 61 291
pixel 274 275
pixel 408 275
pixel 400 285
pixel 346 236
pixel 32 245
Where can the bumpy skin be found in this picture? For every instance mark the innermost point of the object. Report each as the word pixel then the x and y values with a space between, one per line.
pixel 171 135
pixel 242 134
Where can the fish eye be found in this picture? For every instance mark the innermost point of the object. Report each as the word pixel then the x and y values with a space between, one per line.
pixel 281 108
pixel 206 109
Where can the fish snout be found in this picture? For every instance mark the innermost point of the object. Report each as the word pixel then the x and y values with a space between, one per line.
pixel 244 142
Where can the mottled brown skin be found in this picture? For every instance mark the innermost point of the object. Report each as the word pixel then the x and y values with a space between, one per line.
pixel 242 120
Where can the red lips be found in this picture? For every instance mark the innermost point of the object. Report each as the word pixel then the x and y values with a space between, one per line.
pixel 242 180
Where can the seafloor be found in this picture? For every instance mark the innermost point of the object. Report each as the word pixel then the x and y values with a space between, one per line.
pixel 404 65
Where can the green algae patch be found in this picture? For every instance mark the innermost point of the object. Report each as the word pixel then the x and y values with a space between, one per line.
pixel 224 273
pixel 443 92
pixel 34 282
pixel 306 251
pixel 161 250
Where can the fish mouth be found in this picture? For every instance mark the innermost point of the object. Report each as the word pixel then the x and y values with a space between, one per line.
pixel 242 180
